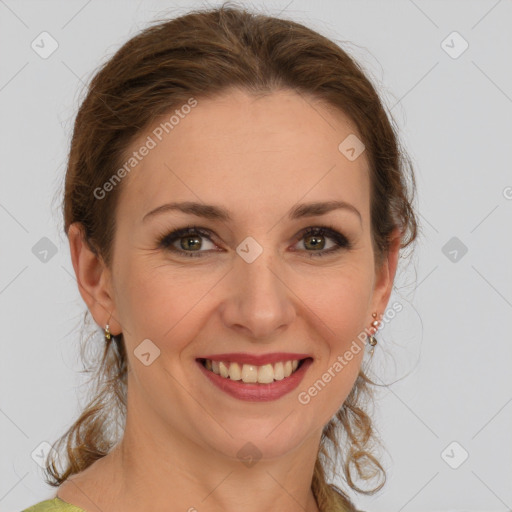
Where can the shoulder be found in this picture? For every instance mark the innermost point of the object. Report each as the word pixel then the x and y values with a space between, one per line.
pixel 53 505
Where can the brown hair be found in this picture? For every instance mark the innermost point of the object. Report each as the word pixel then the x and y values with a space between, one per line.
pixel 202 54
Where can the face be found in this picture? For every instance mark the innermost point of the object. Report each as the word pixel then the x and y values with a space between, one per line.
pixel 253 281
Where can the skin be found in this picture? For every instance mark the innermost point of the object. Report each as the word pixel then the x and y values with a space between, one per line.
pixel 257 157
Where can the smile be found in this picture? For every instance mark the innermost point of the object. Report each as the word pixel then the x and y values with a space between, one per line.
pixel 255 383
pixel 250 373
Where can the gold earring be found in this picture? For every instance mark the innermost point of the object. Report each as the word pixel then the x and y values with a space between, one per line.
pixel 108 334
pixel 372 340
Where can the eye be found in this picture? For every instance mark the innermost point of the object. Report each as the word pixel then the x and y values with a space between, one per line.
pixel 314 237
pixel 188 240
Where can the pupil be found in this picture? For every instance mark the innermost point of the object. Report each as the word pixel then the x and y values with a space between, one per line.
pixel 317 241
pixel 193 242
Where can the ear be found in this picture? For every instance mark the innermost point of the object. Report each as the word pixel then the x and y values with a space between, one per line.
pixel 385 275
pixel 94 280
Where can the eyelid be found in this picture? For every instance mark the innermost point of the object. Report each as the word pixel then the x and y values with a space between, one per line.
pixel 341 241
pixel 169 237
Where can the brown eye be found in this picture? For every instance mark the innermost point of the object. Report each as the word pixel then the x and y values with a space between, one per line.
pixel 315 241
pixel 190 240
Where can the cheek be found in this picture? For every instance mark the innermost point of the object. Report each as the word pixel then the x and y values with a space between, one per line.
pixel 160 302
pixel 340 297
pixel 340 305
pixel 166 301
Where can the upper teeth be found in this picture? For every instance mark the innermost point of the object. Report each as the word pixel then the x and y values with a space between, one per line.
pixel 251 373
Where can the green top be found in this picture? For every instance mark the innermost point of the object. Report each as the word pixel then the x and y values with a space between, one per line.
pixel 53 505
pixel 58 505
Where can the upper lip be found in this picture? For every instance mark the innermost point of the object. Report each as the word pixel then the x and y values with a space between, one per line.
pixel 257 360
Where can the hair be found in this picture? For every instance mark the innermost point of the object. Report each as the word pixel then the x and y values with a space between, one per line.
pixel 203 54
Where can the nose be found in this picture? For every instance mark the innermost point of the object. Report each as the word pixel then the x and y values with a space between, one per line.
pixel 259 303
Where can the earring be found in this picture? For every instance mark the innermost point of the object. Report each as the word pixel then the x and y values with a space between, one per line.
pixel 108 334
pixel 372 340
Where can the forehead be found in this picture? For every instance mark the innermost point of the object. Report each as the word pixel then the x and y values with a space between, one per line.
pixel 254 154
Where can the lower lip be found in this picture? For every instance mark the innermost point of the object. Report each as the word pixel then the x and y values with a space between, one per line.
pixel 258 392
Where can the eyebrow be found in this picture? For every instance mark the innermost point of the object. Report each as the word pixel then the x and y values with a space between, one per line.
pixel 208 211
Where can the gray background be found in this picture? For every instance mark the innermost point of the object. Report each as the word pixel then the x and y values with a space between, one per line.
pixel 449 350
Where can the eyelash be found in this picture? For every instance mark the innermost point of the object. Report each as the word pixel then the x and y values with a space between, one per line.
pixel 339 239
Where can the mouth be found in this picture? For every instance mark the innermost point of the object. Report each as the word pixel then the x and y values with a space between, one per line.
pixel 255 383
pixel 251 373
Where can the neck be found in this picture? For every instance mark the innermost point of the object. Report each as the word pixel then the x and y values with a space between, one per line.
pixel 165 467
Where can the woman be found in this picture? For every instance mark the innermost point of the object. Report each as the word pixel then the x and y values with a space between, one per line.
pixel 235 204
